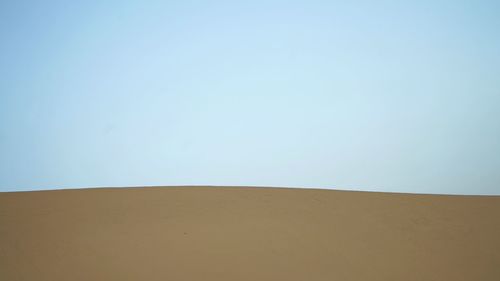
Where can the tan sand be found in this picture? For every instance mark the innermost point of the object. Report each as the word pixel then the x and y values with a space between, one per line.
pixel 219 234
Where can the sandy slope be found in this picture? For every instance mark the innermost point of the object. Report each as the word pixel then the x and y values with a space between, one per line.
pixel 206 233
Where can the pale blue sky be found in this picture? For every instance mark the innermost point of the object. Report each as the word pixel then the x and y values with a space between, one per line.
pixel 371 95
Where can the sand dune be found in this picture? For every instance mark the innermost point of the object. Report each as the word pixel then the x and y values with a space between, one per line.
pixel 208 233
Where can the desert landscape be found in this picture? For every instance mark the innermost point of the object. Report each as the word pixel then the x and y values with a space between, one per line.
pixel 247 233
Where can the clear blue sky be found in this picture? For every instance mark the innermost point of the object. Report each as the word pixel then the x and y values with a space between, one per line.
pixel 370 95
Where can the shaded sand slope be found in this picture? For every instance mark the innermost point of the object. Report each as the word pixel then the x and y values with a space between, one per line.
pixel 207 233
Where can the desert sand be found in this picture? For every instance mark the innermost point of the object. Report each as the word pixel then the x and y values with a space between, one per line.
pixel 239 233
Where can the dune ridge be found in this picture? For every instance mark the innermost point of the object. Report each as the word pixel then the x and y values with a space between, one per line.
pixel 245 233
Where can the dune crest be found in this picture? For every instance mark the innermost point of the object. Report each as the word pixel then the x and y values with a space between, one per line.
pixel 225 233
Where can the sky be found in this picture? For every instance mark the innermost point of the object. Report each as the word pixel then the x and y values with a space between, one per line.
pixel 397 96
